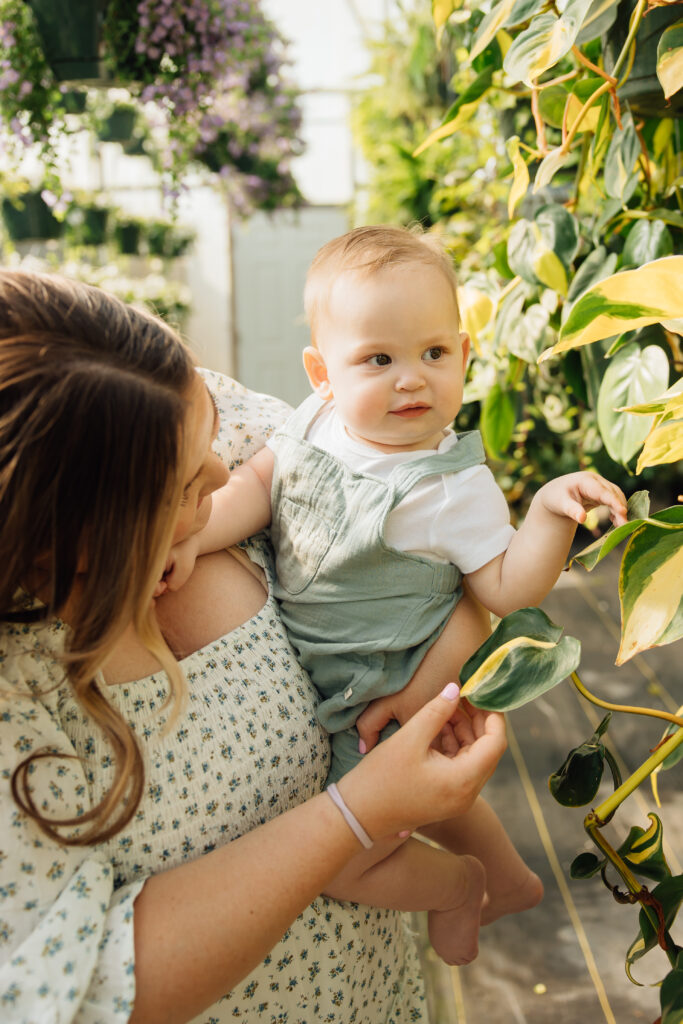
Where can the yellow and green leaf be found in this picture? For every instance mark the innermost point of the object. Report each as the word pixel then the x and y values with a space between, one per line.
pixel 608 307
pixel 546 40
pixel 663 444
pixel 493 21
pixel 668 405
pixel 524 657
pixel 520 180
pixel 651 585
pixel 461 111
pixel 670 59
pixel 669 893
pixel 643 850
pixel 476 309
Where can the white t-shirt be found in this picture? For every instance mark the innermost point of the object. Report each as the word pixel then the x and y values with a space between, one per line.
pixel 461 518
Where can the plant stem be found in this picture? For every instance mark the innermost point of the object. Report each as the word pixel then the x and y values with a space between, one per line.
pixel 650 712
pixel 609 805
pixel 636 18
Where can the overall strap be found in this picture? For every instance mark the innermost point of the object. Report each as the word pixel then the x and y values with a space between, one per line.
pixel 298 423
pixel 469 451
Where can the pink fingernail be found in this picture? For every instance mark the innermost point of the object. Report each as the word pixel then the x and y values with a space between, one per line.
pixel 450 691
pixel 361 747
pixel 404 834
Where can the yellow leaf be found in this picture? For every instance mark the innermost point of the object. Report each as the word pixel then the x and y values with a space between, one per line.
pixel 589 121
pixel 670 72
pixel 520 181
pixel 450 128
pixel 653 609
pixel 476 309
pixel 489 27
pixel 663 444
pixel 548 166
pixel 560 34
pixel 668 404
pixel 549 269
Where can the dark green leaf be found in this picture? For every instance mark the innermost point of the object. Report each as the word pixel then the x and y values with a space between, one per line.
pixel 647 240
pixel 585 866
pixel 671 994
pixel 497 422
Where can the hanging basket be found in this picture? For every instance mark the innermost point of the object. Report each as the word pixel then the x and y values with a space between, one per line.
pixel 71 31
pixel 87 225
pixel 119 126
pixel 30 218
pixel 128 236
pixel 642 88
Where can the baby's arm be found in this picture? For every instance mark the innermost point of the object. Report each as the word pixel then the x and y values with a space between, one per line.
pixel 525 573
pixel 239 510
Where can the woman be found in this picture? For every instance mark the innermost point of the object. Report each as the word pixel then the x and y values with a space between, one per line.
pixel 164 834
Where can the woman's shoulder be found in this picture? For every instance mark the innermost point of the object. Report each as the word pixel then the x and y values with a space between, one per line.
pixel 247 418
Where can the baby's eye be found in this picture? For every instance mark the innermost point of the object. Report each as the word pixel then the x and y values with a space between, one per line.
pixel 381 359
pixel 432 354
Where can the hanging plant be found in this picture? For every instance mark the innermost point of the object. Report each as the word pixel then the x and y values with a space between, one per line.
pixel 29 217
pixel 197 69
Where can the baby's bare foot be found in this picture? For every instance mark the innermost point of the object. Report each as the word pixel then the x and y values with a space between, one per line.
pixel 454 931
pixel 523 893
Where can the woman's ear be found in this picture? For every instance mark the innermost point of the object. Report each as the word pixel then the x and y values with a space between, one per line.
pixel 316 371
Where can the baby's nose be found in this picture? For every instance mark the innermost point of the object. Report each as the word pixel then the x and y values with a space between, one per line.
pixel 410 380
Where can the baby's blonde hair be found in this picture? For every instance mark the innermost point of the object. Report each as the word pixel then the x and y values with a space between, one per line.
pixel 368 250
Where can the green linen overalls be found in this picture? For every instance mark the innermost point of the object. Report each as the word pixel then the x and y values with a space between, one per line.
pixel 360 615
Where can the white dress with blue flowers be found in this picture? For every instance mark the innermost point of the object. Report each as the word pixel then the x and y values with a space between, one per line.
pixel 247 747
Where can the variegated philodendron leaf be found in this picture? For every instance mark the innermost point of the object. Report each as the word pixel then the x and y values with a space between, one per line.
pixel 524 657
pixel 642 850
pixel 673 758
pixel 520 179
pixel 637 515
pixel 670 59
pixel 490 25
pixel 634 374
pixel 461 111
pixel 670 894
pixel 651 585
pixel 546 40
pixel 611 306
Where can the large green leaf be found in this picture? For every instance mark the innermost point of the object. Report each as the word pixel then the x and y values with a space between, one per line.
pixel 643 850
pixel 541 251
pixel 578 779
pixel 631 299
pixel 497 421
pixel 634 375
pixel 546 40
pixel 671 994
pixel 670 59
pixel 670 894
pixel 651 585
pixel 524 657
pixel 647 240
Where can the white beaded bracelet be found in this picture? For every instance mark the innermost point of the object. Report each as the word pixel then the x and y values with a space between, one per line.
pixel 350 819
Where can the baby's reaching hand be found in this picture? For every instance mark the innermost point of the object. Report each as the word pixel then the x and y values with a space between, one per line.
pixel 575 494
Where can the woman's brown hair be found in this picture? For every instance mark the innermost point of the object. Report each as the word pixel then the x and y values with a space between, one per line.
pixel 93 397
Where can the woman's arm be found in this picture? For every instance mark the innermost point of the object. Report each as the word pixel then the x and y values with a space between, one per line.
pixel 202 927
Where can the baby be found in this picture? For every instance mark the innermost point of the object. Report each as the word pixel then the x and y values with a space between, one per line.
pixel 377 510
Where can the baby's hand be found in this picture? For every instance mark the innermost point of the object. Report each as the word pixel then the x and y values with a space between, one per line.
pixel 575 494
pixel 181 562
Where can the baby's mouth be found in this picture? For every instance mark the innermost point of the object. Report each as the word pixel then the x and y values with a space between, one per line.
pixel 410 411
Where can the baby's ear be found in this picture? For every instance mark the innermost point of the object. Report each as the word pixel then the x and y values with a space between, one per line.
pixel 316 371
pixel 465 342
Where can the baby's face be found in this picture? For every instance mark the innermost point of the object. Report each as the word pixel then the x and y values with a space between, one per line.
pixel 394 355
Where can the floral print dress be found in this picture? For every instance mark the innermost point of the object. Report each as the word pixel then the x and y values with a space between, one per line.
pixel 247 747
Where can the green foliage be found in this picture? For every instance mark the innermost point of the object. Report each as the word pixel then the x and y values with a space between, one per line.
pixel 577 781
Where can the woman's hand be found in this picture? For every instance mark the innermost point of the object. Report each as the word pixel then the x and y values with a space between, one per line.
pixel 405 782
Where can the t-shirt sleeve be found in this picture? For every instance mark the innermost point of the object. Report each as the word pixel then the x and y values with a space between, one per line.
pixel 472 526
pixel 66 937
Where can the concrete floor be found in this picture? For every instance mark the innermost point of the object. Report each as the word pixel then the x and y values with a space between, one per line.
pixel 563 963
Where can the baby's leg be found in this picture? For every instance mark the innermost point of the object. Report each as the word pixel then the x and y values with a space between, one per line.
pixel 510 885
pixel 414 876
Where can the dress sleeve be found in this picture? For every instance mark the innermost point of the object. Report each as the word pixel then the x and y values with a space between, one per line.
pixel 66 938
pixel 473 524
pixel 248 418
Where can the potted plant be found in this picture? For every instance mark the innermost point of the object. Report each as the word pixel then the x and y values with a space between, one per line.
pixel 119 124
pixel 70 35
pixel 27 215
pixel 128 234
pixel 87 222
pixel 167 240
